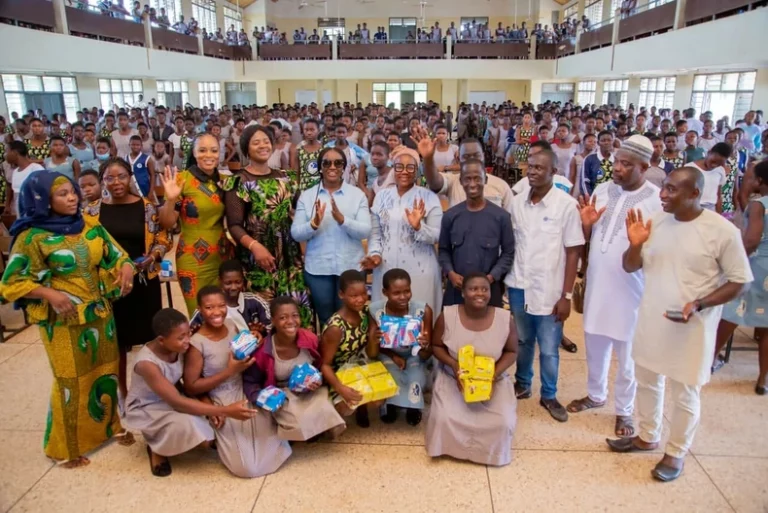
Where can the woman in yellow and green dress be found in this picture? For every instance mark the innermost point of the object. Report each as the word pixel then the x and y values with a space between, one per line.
pixel 260 204
pixel 63 270
pixel 193 197
pixel 39 145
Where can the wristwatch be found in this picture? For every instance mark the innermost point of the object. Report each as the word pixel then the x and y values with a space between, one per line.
pixel 568 295
pixel 698 305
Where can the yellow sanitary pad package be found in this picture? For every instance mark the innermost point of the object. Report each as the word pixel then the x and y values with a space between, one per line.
pixel 373 381
pixel 477 375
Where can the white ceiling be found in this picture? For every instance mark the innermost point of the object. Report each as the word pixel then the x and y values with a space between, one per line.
pixel 409 8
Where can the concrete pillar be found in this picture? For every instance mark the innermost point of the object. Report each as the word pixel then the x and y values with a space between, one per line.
pixel 448 47
pixel 580 8
pixel 532 49
pixel 200 44
pixel 186 9
pixel 319 91
pixel 616 18
pixel 220 16
pixel 679 15
pixel 683 91
pixel 607 12
pixel 463 91
pixel 579 31
pixel 599 92
pixel 633 92
pixel 450 95
pixel 60 25
pixel 334 49
pixel 147 33
pixel 760 96
pixel 194 92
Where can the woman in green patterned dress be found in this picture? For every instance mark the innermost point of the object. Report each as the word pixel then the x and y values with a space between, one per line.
pixel 39 146
pixel 523 139
pixel 63 270
pixel 303 158
pixel 259 205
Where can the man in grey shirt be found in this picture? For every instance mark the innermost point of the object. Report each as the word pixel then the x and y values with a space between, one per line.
pixel 475 236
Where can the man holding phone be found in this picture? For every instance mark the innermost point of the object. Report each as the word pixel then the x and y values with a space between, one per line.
pixel 694 262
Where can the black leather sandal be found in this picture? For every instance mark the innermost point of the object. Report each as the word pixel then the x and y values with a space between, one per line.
pixel 161 470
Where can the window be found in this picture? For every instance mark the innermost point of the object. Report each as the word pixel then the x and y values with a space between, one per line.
pixel 657 3
pixel 397 94
pixel 594 12
pixel 399 28
pixel 204 11
pixel 615 92
pixel 172 8
pixel 54 95
pixel 172 93
pixel 119 92
pixel 615 4
pixel 332 26
pixel 210 93
pixel 571 12
pixel 657 92
pixel 725 94
pixel 586 93
pixel 232 17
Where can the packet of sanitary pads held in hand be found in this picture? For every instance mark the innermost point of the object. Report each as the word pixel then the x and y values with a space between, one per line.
pixel 271 399
pixel 244 344
pixel 399 332
pixel 303 377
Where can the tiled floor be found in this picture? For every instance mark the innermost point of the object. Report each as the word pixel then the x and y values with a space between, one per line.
pixel 557 467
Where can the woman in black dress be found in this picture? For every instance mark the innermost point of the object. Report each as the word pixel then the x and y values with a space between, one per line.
pixel 132 221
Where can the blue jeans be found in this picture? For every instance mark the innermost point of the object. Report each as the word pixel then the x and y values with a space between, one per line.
pixel 325 295
pixel 532 328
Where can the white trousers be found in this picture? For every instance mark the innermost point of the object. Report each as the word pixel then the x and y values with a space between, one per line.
pixel 599 350
pixel 686 411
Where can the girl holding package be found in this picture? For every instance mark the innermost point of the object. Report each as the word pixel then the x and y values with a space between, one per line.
pixel 170 422
pixel 408 368
pixel 345 339
pixel 247 448
pixel 305 415
pixel 453 423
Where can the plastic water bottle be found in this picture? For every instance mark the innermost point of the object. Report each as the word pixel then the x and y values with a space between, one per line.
pixel 166 269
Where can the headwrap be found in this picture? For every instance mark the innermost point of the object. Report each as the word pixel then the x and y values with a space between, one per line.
pixel 35 206
pixel 405 150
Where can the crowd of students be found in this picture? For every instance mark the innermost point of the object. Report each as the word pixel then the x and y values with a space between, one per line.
pixel 282 212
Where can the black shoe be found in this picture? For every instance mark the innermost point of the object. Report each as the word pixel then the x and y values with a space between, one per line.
pixel 161 470
pixel 390 416
pixel 361 417
pixel 760 390
pixel 569 346
pixel 666 473
pixel 522 392
pixel 625 445
pixel 413 416
pixel 555 409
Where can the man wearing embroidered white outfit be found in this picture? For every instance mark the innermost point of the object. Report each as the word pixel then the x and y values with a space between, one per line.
pixel 548 243
pixel 693 262
pixel 612 295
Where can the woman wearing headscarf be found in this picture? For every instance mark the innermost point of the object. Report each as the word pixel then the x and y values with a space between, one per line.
pixel 133 221
pixel 63 270
pixel 193 197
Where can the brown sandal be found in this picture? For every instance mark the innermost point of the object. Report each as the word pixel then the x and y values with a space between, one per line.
pixel 583 404
pixel 624 422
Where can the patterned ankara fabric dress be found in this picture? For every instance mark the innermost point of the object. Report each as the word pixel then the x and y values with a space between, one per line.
pixel 203 244
pixel 82 350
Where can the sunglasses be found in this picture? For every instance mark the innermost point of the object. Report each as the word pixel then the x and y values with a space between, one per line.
pixel 327 164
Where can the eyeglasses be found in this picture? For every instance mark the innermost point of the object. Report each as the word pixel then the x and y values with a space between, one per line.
pixel 327 164
pixel 119 178
pixel 410 168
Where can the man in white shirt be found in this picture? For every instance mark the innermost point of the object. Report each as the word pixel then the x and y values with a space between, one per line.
pixel 17 157
pixel 693 262
pixel 693 122
pixel 613 296
pixel 548 243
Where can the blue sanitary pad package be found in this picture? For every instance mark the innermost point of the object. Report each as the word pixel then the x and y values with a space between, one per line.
pixel 271 399
pixel 303 378
pixel 399 332
pixel 243 345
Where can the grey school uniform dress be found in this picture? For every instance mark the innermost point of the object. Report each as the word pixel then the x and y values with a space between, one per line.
pixel 248 448
pixel 306 415
pixel 479 432
pixel 167 431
